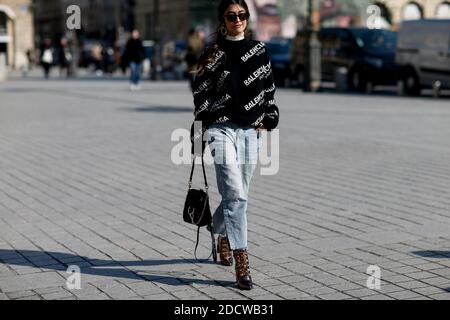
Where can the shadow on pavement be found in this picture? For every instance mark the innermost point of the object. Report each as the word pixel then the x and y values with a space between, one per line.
pixel 162 109
pixel 111 268
pixel 433 254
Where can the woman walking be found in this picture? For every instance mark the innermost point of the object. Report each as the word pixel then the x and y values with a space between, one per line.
pixel 234 98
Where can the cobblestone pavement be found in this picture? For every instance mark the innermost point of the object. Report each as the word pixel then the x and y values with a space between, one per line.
pixel 86 179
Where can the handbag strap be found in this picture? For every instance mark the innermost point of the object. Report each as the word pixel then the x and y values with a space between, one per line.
pixel 204 173
pixel 213 244
pixel 210 227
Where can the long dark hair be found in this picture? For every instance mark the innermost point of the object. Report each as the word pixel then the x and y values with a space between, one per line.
pixel 218 36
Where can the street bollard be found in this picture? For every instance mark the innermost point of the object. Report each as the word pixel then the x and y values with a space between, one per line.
pixel 400 88
pixel 340 78
pixel 2 67
pixel 437 89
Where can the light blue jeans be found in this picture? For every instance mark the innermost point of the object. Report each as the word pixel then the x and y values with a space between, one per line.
pixel 235 152
pixel 135 69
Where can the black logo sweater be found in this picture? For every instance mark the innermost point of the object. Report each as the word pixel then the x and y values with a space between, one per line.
pixel 237 86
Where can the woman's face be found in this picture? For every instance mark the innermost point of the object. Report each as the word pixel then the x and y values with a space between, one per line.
pixel 235 26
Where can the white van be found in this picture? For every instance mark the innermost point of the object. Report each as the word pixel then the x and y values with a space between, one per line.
pixel 423 53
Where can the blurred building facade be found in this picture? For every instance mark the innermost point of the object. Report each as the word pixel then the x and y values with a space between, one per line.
pixel 401 10
pixel 171 20
pixel 355 12
pixel 278 18
pixel 100 19
pixel 16 31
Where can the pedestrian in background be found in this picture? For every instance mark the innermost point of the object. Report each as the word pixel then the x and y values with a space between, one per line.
pixel 133 56
pixel 234 98
pixel 65 58
pixel 97 56
pixel 47 57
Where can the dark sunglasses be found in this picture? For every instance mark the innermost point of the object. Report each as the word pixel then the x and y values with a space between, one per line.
pixel 232 17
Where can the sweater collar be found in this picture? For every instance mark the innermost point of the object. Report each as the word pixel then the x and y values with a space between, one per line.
pixel 236 38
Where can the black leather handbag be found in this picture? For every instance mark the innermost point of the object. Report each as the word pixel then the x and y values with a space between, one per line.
pixel 197 211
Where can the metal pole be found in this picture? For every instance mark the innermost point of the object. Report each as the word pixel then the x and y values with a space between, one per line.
pixel 157 58
pixel 313 48
pixel 3 70
pixel 117 21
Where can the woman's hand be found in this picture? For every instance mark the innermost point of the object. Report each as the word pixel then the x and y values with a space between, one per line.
pixel 261 127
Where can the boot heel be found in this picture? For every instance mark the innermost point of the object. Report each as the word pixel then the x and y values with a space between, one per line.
pixel 243 277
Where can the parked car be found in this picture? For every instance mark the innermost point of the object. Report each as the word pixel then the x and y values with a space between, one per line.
pixel 279 50
pixel 365 55
pixel 423 52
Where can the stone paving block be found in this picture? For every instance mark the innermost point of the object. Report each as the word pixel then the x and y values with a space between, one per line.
pixel 35 297
pixel 346 285
pixel 100 296
pixel 412 284
pixel 413 261
pixel 116 290
pixel 428 266
pixel 387 287
pixel 405 270
pixel 294 295
pixel 360 293
pixel 320 291
pixel 297 267
pixel 419 298
pixel 429 290
pixel 57 295
pixel 332 244
pixel 20 294
pixel 266 282
pixel 188 292
pixel 445 272
pixel 257 291
pixel 334 296
pixel 441 296
pixel 377 297
pixel 26 269
pixel 421 275
pixel 437 281
pixel 48 290
pixel 145 288
pixel 396 279
pixel 31 281
pixel 204 297
pixel 274 252
pixel 402 295
pixel 162 296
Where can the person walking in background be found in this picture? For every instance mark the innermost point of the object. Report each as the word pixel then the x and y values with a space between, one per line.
pixel 234 99
pixel 133 56
pixel 97 56
pixel 46 57
pixel 195 47
pixel 64 58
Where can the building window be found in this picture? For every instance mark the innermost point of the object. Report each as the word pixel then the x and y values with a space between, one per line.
pixel 443 10
pixel 412 11
pixel 3 24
